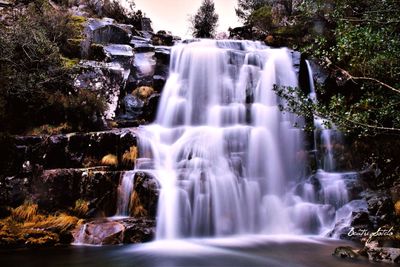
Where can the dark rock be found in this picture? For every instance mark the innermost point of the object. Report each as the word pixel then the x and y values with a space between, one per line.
pixel 345 253
pixel 380 206
pixel 159 83
pixel 360 218
pixel 145 195
pixel 163 54
pixel 146 24
pixel 163 38
pixel 150 109
pixel 138 230
pixel 56 189
pixel 382 254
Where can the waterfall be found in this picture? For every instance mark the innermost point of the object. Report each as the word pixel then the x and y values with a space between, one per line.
pixel 228 160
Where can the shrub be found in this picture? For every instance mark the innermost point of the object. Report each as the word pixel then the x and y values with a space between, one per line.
pixel 36 78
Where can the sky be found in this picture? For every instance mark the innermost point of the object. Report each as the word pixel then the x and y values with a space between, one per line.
pixel 173 15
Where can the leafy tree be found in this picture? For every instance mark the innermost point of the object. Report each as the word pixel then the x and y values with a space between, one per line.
pixel 246 7
pixel 205 21
pixel 363 49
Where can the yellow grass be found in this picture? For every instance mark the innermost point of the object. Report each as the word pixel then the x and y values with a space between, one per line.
pixel 143 92
pixel 25 212
pixel 397 208
pixel 110 160
pixel 137 209
pixel 129 157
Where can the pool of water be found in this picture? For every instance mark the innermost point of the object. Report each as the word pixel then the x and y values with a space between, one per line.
pixel 265 251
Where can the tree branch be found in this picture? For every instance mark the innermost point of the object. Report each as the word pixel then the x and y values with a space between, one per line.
pixel 351 77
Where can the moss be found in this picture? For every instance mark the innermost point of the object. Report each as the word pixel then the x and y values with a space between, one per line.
pixel 69 63
pixel 110 160
pixel 77 24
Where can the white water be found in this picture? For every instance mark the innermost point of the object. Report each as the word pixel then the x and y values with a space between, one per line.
pixel 228 160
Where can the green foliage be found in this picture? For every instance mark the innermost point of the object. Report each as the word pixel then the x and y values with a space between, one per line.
pixel 360 45
pixel 205 21
pixel 34 72
pixel 262 17
pixel 245 8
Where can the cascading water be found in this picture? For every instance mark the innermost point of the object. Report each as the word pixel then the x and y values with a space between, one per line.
pixel 228 160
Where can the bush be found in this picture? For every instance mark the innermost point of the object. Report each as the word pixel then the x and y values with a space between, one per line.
pixel 36 78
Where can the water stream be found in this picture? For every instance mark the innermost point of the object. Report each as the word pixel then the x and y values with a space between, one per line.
pixel 228 160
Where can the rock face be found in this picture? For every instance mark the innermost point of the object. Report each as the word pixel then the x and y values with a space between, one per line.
pixel 55 171
pixel 105 79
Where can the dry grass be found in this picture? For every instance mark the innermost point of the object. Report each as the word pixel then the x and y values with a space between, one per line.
pixel 137 209
pixel 26 212
pixel 81 208
pixel 143 92
pixel 397 208
pixel 129 157
pixel 51 129
pixel 110 160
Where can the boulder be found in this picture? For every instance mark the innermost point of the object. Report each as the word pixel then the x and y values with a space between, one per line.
pixel 345 252
pixel 99 232
pixel 113 232
pixel 163 38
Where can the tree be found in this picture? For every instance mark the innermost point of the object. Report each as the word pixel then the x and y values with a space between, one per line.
pixel 247 7
pixel 362 49
pixel 205 21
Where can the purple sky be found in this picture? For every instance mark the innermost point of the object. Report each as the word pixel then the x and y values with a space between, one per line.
pixel 173 15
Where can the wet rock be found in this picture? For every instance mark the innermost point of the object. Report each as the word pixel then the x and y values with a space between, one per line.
pixel 133 107
pixel 380 207
pixel 159 83
pixel 141 45
pixel 113 232
pixel 103 78
pixel 145 65
pixel 163 54
pixel 382 254
pixel 345 252
pixel 100 232
pixel 123 54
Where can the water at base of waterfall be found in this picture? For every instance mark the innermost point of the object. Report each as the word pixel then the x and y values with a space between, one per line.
pixel 228 160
